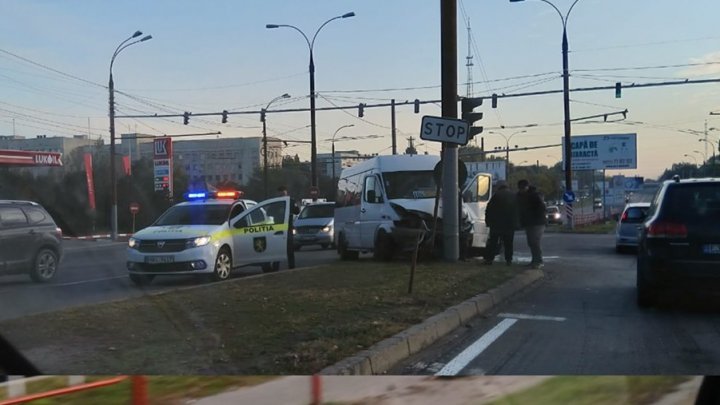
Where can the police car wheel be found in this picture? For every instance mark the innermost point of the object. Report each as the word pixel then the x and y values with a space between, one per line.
pixel 223 265
pixel 141 279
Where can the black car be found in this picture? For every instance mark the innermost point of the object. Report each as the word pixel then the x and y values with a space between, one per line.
pixel 30 241
pixel 679 242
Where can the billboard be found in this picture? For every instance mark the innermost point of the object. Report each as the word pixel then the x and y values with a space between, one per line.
pixel 495 167
pixel 163 165
pixel 598 152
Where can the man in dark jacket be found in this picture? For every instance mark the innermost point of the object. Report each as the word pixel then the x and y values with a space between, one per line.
pixel 532 218
pixel 501 216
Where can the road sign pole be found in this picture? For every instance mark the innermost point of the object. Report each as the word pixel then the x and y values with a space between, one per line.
pixel 448 40
pixel 133 228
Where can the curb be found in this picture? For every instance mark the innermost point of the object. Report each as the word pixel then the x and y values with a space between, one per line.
pixel 383 355
pixel 97 237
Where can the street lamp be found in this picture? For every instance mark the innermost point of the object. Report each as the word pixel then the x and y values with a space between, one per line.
pixel 701 154
pixel 566 95
pixel 111 89
pixel 507 148
pixel 333 149
pixel 693 158
pixel 265 152
pixel 311 44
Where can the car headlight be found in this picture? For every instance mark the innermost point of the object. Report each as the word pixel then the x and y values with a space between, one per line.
pixel 557 216
pixel 327 229
pixel 201 241
pixel 294 231
pixel 133 243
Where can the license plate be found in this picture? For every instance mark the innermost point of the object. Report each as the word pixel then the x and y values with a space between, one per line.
pixel 711 249
pixel 159 259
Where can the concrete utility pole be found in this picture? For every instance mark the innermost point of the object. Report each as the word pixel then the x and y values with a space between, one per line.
pixel 448 53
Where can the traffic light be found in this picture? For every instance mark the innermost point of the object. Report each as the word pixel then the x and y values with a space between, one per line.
pixel 417 106
pixel 468 104
pixel 186 118
pixel 494 100
pixel 224 116
pixel 361 110
pixel 618 89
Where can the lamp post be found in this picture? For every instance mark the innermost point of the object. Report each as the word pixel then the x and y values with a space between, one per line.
pixel 333 150
pixel 265 151
pixel 693 158
pixel 713 145
pixel 111 101
pixel 566 97
pixel 507 148
pixel 311 44
pixel 701 154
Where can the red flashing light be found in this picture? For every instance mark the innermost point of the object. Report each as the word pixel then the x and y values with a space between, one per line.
pixel 228 194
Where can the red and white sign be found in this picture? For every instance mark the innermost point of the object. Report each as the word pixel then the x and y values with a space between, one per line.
pixel 29 158
pixel 134 208
pixel 90 183
pixel 162 148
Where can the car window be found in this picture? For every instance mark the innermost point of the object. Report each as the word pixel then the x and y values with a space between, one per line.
pixel 11 217
pixel 206 214
pixel 37 216
pixel 237 210
pixel 692 202
pixel 256 216
pixel 635 214
pixel 317 211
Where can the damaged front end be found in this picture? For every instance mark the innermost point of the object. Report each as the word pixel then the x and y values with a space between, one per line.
pixel 419 227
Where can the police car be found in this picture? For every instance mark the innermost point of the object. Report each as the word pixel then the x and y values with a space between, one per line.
pixel 211 234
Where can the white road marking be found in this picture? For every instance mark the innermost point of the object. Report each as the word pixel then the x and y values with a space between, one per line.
pixel 471 352
pixel 532 317
pixel 528 259
pixel 94 280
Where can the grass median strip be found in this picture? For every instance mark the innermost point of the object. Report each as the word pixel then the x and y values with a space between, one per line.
pixel 610 390
pixel 286 323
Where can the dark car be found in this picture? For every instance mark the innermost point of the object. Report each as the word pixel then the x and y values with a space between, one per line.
pixel 30 241
pixel 679 242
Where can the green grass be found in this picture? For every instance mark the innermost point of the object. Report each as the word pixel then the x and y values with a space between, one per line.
pixel 285 323
pixel 162 390
pixel 583 390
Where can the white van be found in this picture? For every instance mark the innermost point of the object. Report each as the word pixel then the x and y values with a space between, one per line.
pixel 378 200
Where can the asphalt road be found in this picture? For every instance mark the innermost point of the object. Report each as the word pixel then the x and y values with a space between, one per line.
pixel 94 272
pixel 581 319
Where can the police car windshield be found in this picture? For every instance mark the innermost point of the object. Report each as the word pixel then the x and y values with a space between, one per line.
pixel 211 214
pixel 318 211
pixel 410 184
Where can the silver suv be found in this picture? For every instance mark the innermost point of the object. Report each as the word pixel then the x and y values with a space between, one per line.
pixel 30 241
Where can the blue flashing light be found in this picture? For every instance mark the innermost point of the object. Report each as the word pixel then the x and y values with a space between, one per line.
pixel 196 196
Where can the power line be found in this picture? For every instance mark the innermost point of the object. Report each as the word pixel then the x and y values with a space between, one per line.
pixel 52 69
pixel 226 86
pixel 646 67
pixel 645 44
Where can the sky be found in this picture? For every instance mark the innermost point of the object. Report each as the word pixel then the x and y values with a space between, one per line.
pixel 217 55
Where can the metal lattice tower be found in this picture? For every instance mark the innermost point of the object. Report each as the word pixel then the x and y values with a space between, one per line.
pixel 469 63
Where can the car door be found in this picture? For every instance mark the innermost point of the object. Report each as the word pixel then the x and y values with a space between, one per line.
pixel 260 233
pixel 475 197
pixel 17 244
pixel 372 203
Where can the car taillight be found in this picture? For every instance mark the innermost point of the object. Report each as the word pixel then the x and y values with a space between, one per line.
pixel 624 217
pixel 667 230
pixel 58 231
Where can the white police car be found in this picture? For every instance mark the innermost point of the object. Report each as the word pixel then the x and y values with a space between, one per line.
pixel 211 234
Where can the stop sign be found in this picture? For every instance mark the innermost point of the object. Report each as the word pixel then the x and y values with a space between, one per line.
pixel 134 208
pixel 314 191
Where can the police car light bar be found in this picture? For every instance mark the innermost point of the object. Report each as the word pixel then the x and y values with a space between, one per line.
pixel 196 196
pixel 227 194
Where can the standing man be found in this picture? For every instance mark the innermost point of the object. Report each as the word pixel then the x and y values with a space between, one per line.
pixel 532 217
pixel 501 216
pixel 294 210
